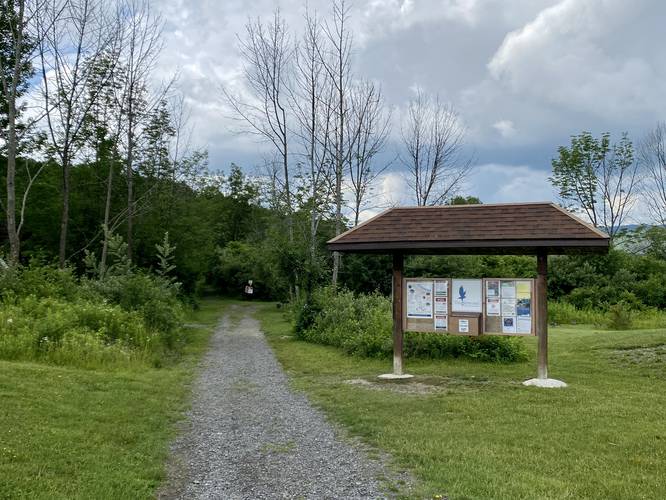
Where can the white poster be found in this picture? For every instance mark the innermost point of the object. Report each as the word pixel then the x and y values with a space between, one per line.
pixel 493 307
pixel 467 296
pixel 523 325
pixel 508 307
pixel 463 326
pixel 492 289
pixel 419 299
pixel 441 288
pixel 441 322
pixel 508 289
pixel 509 325
pixel 441 305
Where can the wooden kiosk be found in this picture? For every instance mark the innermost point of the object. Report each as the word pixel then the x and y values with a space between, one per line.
pixel 539 229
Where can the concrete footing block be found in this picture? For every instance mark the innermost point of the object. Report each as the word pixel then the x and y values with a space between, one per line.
pixel 393 376
pixel 545 382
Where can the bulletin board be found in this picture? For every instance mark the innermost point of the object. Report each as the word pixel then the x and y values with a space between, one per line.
pixel 509 306
pixel 426 304
pixel 427 307
pixel 491 306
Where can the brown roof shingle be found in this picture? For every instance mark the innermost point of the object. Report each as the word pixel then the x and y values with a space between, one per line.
pixel 518 228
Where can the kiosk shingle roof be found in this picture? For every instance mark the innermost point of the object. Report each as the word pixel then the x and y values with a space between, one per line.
pixel 513 228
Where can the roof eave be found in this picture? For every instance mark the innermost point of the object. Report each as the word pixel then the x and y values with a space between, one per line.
pixel 515 247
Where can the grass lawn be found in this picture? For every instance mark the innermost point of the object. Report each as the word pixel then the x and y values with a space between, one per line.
pixel 481 434
pixel 72 433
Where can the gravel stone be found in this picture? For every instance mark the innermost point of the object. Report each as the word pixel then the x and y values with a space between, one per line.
pixel 249 436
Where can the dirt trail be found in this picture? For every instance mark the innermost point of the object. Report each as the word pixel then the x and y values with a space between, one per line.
pixel 249 436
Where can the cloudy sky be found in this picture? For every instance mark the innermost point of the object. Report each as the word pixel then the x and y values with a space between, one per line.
pixel 523 74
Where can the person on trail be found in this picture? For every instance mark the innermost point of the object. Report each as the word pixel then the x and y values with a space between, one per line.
pixel 249 291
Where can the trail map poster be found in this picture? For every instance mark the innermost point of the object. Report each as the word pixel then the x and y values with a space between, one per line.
pixel 467 296
pixel 419 299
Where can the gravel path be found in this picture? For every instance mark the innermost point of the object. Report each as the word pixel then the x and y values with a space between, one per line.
pixel 250 436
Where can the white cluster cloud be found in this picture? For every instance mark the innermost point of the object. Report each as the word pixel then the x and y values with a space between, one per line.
pixel 506 128
pixel 587 56
pixel 524 74
pixel 495 183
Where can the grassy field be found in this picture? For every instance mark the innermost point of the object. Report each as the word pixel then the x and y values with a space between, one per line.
pixel 73 433
pixel 471 430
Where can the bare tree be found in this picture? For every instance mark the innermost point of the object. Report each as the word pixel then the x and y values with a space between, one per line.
pixel 652 157
pixel 69 49
pixel 433 140
pixel 312 104
pixel 15 68
pixel 337 61
pixel 143 44
pixel 19 37
pixel 368 128
pixel 105 123
pixel 267 55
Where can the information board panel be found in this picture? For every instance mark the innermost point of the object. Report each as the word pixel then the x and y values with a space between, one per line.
pixel 467 296
pixel 509 306
pixel 426 305
pixel 419 299
pixel 491 306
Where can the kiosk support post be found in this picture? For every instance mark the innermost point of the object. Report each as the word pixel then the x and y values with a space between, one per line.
pixel 542 379
pixel 542 315
pixel 398 267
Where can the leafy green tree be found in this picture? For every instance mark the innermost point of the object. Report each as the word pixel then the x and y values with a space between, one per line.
pixel 597 178
pixel 464 200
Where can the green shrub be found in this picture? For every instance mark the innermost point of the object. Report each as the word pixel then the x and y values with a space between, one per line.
pixel 153 297
pixel 47 314
pixel 564 313
pixel 620 317
pixel 73 333
pixel 39 281
pixel 362 325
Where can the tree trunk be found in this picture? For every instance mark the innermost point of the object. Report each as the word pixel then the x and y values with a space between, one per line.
pixel 64 220
pixel 12 146
pixel 339 165
pixel 14 242
pixel 105 226
pixel 130 185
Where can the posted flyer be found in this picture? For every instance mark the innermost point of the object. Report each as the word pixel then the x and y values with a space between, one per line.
pixel 523 289
pixel 441 288
pixel 523 325
pixel 509 325
pixel 492 289
pixel 493 307
pixel 524 307
pixel 508 307
pixel 508 289
pixel 441 305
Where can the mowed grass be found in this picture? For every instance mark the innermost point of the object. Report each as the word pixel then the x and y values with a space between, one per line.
pixel 73 433
pixel 471 430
